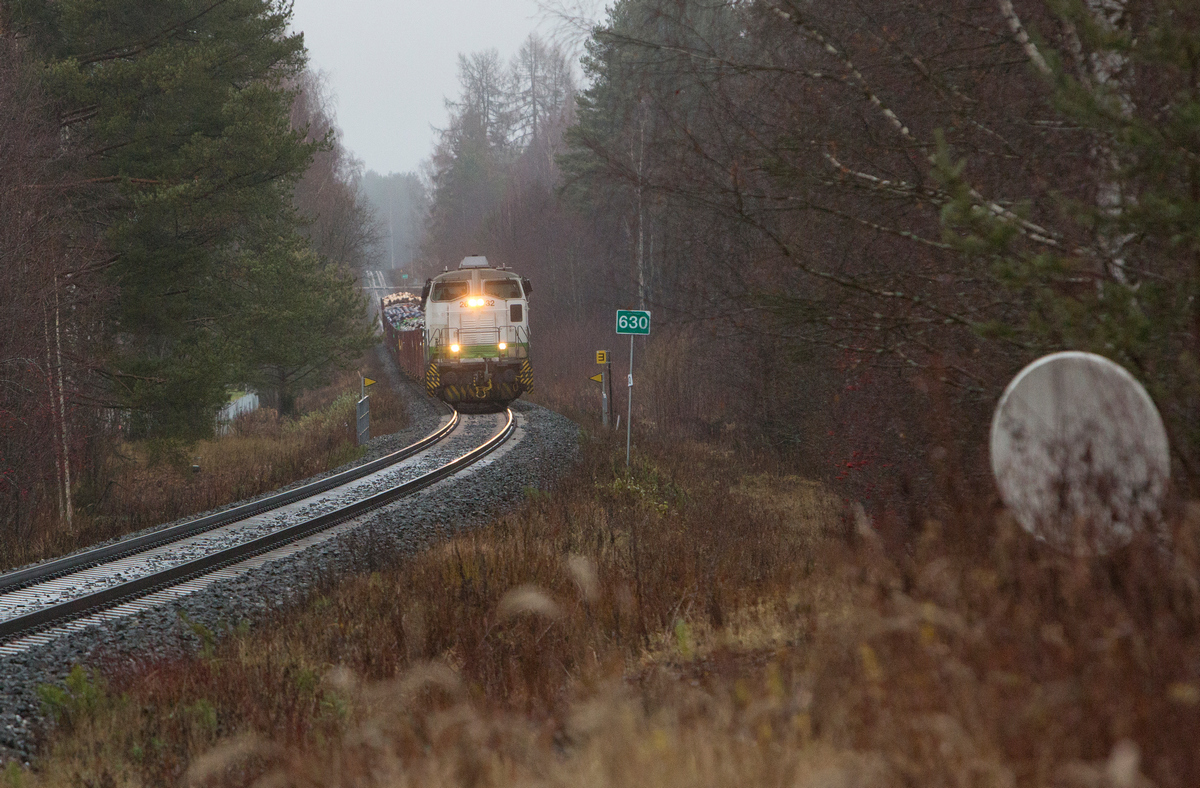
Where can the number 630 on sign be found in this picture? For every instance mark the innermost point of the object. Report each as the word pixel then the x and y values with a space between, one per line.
pixel 633 321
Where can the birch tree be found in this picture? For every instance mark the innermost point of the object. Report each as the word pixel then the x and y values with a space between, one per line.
pixel 49 289
pixel 1129 286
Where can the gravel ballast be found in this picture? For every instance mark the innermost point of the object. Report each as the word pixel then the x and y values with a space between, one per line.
pixel 545 445
pixel 471 432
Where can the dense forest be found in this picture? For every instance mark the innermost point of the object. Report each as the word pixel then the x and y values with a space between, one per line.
pixel 401 203
pixel 853 222
pixel 178 219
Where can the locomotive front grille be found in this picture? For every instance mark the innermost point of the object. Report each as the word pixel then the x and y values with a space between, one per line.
pixel 478 328
pixel 475 320
pixel 479 336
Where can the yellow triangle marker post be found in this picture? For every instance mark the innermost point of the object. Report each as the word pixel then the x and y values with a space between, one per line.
pixel 366 381
pixel 598 378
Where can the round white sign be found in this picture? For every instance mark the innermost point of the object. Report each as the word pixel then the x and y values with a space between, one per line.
pixel 1079 453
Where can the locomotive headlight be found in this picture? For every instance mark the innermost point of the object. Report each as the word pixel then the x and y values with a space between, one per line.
pixel 454 348
pixel 504 346
pixel 474 302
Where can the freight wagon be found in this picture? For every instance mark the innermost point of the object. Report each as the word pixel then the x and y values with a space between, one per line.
pixel 404 331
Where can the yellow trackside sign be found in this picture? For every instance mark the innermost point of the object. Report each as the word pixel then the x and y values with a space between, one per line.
pixel 601 356
pixel 368 382
pixel 598 378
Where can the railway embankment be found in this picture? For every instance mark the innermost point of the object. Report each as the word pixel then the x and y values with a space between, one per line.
pixel 543 445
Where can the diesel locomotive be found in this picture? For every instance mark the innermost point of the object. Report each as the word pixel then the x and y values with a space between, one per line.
pixel 469 338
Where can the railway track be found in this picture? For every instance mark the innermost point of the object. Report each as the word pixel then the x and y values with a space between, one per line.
pixel 55 598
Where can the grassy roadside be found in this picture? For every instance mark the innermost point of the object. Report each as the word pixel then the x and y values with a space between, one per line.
pixel 145 483
pixel 699 621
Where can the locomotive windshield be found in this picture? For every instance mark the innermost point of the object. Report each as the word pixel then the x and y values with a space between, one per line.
pixel 502 288
pixel 450 291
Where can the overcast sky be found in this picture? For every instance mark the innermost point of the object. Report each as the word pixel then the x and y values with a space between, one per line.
pixel 390 63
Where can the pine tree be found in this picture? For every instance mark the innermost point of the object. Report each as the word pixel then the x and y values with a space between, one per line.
pixel 182 108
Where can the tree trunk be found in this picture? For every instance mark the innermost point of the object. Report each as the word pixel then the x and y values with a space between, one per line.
pixel 641 210
pixel 287 401
pixel 1111 70
pixel 51 397
pixel 62 412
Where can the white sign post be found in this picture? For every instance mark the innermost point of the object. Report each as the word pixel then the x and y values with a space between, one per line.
pixel 635 322
pixel 364 412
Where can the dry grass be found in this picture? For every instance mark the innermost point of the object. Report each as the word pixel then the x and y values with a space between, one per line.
pixel 146 483
pixel 692 623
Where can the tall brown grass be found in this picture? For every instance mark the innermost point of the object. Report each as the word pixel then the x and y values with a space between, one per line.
pixel 697 621
pixel 145 483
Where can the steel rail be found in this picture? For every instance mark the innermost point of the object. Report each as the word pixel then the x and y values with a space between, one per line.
pixel 59 567
pixel 80 607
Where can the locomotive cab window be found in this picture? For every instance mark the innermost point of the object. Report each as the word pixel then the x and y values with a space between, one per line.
pixel 450 291
pixel 502 288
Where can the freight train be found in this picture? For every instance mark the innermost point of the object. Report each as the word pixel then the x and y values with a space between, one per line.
pixel 466 336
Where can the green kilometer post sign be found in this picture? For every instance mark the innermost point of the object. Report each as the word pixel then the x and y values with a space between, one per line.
pixel 633 321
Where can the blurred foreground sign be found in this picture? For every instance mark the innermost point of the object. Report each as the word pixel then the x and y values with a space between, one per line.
pixel 1079 453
